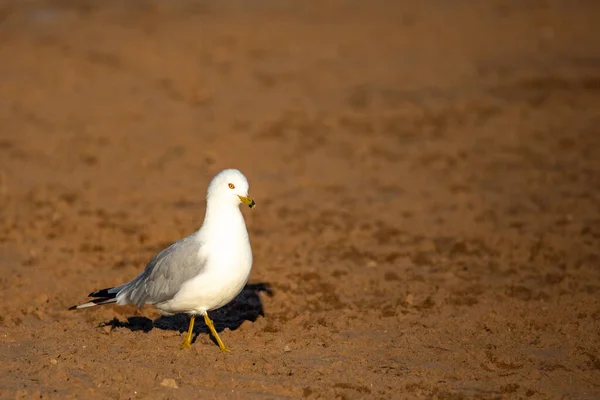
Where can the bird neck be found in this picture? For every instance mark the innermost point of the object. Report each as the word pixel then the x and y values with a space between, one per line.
pixel 223 214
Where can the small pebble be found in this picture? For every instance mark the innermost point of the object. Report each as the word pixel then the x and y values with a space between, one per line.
pixel 169 383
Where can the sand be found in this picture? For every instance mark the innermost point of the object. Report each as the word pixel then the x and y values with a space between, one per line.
pixel 427 179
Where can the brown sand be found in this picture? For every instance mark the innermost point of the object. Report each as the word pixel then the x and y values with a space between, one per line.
pixel 427 177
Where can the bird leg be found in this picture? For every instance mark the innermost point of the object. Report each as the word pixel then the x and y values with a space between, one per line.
pixel 187 343
pixel 211 326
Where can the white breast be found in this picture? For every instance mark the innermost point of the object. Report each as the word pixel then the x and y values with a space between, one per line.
pixel 226 249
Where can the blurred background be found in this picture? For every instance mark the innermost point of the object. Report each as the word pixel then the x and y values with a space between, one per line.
pixel 426 175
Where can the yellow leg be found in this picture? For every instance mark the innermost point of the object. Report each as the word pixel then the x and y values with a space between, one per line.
pixel 187 343
pixel 211 326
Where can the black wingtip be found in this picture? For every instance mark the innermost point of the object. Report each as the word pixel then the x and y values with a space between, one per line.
pixel 103 293
pixel 95 302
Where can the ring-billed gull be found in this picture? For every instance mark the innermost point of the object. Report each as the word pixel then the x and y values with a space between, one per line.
pixel 201 272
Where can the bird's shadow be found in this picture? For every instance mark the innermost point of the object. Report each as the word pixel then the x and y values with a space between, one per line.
pixel 247 306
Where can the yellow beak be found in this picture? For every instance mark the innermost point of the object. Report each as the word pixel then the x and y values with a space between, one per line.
pixel 247 200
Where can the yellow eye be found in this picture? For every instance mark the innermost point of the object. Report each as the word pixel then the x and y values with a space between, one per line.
pixel 231 186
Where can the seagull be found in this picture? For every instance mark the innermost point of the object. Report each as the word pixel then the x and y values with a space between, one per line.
pixel 198 273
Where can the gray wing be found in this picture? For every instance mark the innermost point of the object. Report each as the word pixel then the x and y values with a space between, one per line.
pixel 165 273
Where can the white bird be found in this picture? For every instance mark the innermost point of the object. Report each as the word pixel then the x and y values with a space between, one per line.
pixel 201 272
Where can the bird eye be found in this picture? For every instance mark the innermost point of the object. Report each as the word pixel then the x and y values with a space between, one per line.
pixel 231 186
